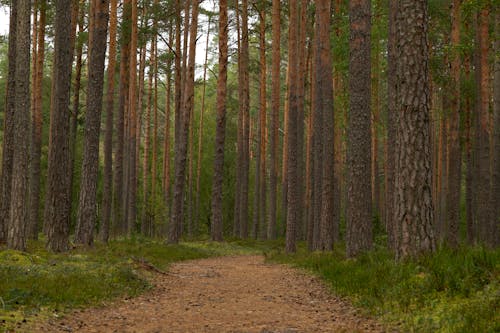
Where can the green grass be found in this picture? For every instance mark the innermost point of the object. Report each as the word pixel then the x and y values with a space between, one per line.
pixel 444 292
pixel 37 283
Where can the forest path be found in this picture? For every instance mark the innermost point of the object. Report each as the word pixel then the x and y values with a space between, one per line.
pixel 225 294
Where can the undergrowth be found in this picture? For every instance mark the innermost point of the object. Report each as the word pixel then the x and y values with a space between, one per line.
pixel 37 283
pixel 449 291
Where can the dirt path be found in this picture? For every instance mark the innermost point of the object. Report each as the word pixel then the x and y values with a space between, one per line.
pixel 228 294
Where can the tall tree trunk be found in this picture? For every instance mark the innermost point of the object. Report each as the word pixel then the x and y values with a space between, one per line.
pixel 413 211
pixel 37 119
pixel 455 151
pixel 275 119
pixel 292 172
pixel 324 80
pixel 145 220
pixel 119 174
pixel 132 176
pixel 359 203
pixel 57 214
pixel 239 135
pixel 482 144
pixel 469 221
pixel 217 222
pixel 16 233
pixel 375 102
pixel 167 142
pixel 495 191
pixel 87 207
pixel 8 130
pixel 155 121
pixel 108 139
pixel 200 132
pixel 181 152
pixel 245 106
pixel 390 159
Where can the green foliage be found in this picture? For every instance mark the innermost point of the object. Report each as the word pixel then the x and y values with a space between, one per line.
pixel 444 292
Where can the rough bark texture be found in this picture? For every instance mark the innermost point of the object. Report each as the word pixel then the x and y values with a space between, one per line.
pixel 495 192
pixel 87 207
pixel 391 125
pixel 245 109
pixel 181 152
pixel 275 114
pixel 108 138
pixel 37 123
pixel 132 130
pixel 216 227
pixel 18 215
pixel 482 144
pixel 324 81
pixel 8 130
pixel 118 193
pixel 359 203
pixel 413 211
pixel 455 152
pixel 292 195
pixel 57 214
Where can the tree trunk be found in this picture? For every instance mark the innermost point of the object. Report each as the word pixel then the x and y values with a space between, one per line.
pixel 108 139
pixel 482 144
pixel 495 192
pixel 391 126
pixel 16 233
pixel 132 176
pixel 181 152
pixel 217 222
pixel 37 118
pixel 359 203
pixel 413 211
pixel 87 207
pixel 57 214
pixel 324 80
pixel 455 151
pixel 119 174
pixel 292 172
pixel 275 120
pixel 200 133
pixel 8 130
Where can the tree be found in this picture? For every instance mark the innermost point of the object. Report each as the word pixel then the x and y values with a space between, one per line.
pixel 496 166
pixel 57 214
pixel 324 86
pixel 86 218
pixel 413 207
pixel 181 151
pixel 8 131
pixel 217 223
pixel 108 139
pixel 18 215
pixel 359 203
pixel 292 191
pixel 455 152
pixel 37 123
pixel 275 112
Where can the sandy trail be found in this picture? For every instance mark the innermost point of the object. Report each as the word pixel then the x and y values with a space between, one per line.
pixel 227 294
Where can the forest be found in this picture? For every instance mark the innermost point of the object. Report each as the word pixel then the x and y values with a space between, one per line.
pixel 250 166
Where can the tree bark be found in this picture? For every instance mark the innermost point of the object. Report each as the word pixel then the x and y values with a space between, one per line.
pixel 87 207
pixel 359 203
pixel 57 214
pixel 217 222
pixel 108 139
pixel 413 211
pixel 275 121
pixel 8 130
pixel 18 216
pixel 37 119
pixel 181 152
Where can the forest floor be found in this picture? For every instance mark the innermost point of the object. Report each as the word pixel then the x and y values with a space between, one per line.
pixel 223 294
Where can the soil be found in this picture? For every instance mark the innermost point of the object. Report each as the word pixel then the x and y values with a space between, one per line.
pixel 226 294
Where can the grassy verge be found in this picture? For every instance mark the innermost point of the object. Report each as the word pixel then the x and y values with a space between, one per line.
pixel 37 283
pixel 444 292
